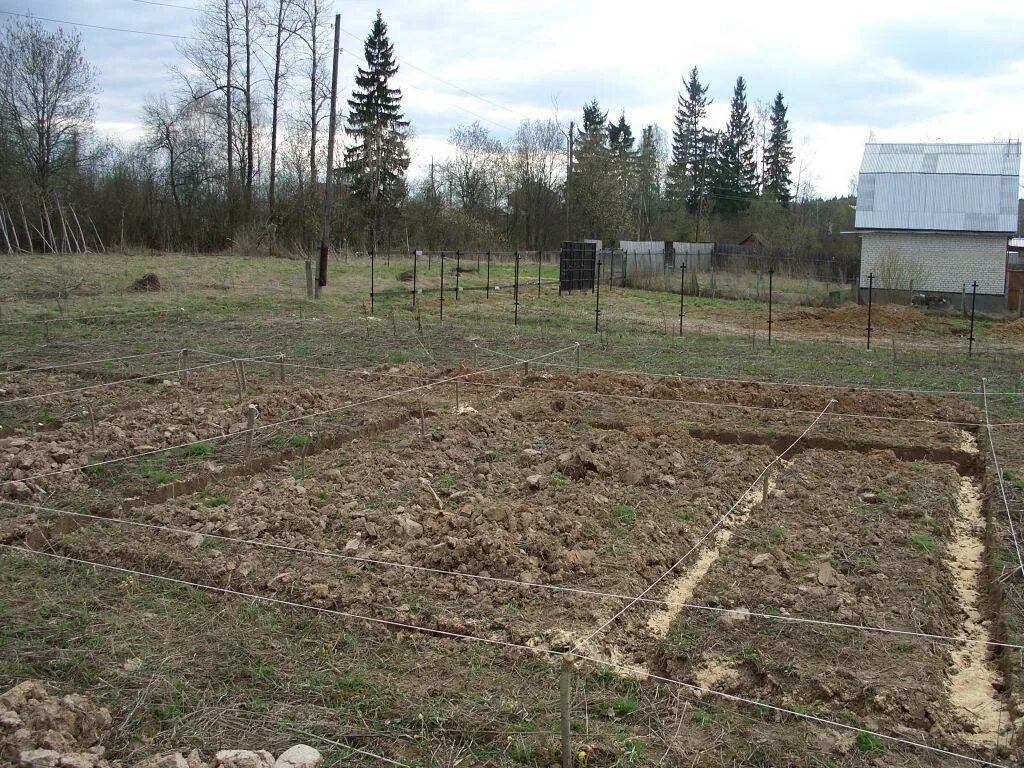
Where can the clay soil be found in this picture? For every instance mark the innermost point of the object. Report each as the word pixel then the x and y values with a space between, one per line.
pixel 527 479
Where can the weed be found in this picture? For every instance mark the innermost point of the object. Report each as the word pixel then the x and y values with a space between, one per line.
pixel 219 500
pixel 868 742
pixel 776 534
pixel 299 440
pixel 922 542
pixel 265 673
pixel 633 751
pixel 194 450
pixel 323 495
pixel 624 513
pixel 157 474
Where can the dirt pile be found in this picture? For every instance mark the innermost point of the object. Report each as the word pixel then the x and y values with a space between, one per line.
pixel 1014 329
pixel 854 317
pixel 148 282
pixel 42 731
pixel 38 730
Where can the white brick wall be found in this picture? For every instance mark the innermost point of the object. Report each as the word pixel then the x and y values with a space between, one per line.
pixel 935 262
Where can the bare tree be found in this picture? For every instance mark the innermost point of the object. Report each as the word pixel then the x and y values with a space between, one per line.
pixel 285 26
pixel 46 96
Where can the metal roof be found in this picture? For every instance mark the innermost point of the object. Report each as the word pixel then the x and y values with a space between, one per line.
pixel 939 187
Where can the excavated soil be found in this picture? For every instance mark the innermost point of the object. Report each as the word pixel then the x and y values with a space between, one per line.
pixel 866 523
pixel 854 317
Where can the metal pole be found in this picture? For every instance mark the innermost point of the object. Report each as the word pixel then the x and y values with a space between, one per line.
pixel 974 299
pixel 597 301
pixel 771 273
pixel 372 282
pixel 487 289
pixel 442 287
pixel 415 259
pixel 682 287
pixel 563 700
pixel 325 232
pixel 871 295
pixel 538 274
pixel 516 291
pixel 458 263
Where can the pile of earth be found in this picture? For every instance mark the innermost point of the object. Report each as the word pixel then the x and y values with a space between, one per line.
pixel 1012 329
pixel 38 730
pixel 854 317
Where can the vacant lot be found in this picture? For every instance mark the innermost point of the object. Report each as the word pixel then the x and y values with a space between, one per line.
pixel 384 531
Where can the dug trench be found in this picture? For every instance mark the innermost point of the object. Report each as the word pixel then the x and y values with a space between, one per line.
pixel 461 498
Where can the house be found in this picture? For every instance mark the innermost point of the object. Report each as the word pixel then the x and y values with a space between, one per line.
pixel 934 218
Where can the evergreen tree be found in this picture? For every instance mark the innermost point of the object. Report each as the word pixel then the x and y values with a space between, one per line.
pixel 688 138
pixel 735 173
pixel 375 164
pixel 594 120
pixel 778 155
pixel 600 200
pixel 646 198
pixel 620 137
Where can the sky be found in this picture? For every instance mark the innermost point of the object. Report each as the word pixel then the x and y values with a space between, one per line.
pixel 897 71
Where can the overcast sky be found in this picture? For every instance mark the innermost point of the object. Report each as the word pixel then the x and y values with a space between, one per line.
pixel 909 71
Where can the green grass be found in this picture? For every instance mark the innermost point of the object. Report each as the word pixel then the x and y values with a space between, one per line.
pixel 869 743
pixel 922 542
pixel 625 514
pixel 219 500
pixel 195 450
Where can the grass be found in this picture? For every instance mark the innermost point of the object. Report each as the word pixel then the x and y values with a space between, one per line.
pixel 869 743
pixel 625 514
pixel 922 542
pixel 195 450
pixel 220 500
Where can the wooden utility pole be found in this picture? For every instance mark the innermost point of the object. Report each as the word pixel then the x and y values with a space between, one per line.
pixel 325 236
pixel 568 175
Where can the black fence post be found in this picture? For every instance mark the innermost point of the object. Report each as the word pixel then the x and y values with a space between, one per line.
pixel 415 259
pixel 538 273
pixel 515 293
pixel 871 297
pixel 625 263
pixel 487 289
pixel 974 299
pixel 771 274
pixel 442 287
pixel 458 264
pixel 430 260
pixel 372 282
pixel 388 257
pixel 682 290
pixel 597 301
pixel 478 263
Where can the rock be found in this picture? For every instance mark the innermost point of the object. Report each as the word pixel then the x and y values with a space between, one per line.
pixel 352 545
pixel 761 560
pixel 667 480
pixel 334 474
pixel 61 455
pixel 194 761
pixel 19 490
pixel 529 457
pixel 300 756
pixel 868 497
pixel 827 576
pixel 535 482
pixel 79 760
pixel 243 758
pixel 38 758
pixel 409 527
pixel 172 760
pixel 195 541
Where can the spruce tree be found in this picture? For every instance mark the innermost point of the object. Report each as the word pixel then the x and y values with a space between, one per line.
pixel 620 136
pixel 687 138
pixel 376 162
pixel 778 155
pixel 735 174
pixel 600 203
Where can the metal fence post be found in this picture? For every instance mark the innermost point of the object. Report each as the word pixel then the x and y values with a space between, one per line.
pixel 538 273
pixel 771 274
pixel 442 287
pixel 597 300
pixel 682 290
pixel 974 299
pixel 372 281
pixel 487 289
pixel 415 259
pixel 458 264
pixel 871 295
pixel 516 292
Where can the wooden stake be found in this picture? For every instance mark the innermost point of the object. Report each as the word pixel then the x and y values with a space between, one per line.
pixel 765 490
pixel 563 697
pixel 423 420
pixel 184 367
pixel 92 420
pixel 577 359
pixel 241 372
pixel 280 367
pixel 456 396
pixel 239 381
pixel 250 426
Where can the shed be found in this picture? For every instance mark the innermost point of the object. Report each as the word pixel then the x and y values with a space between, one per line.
pixel 934 218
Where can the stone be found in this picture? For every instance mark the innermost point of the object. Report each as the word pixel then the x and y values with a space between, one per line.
pixel 868 497
pixel 194 761
pixel 38 758
pixel 761 560
pixel 243 758
pixel 410 527
pixel 827 576
pixel 535 482
pixel 667 480
pixel 171 760
pixel 79 760
pixel 300 756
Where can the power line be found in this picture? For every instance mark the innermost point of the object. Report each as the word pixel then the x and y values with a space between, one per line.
pixel 94 26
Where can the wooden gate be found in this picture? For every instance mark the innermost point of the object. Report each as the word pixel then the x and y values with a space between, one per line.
pixel 1015 288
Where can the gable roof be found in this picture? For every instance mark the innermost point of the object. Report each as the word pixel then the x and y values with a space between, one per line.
pixel 939 187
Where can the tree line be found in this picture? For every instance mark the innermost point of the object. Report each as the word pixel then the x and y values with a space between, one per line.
pixel 235 156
